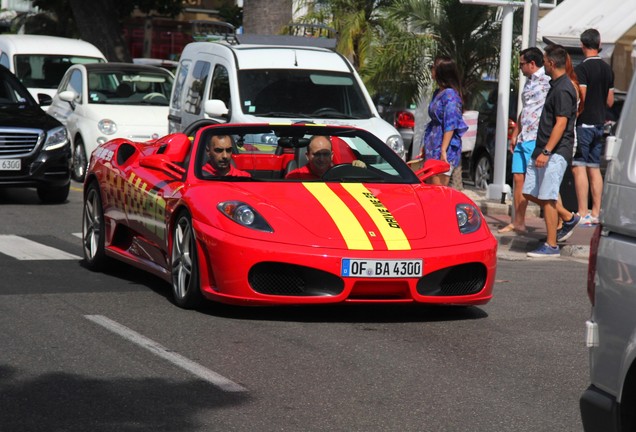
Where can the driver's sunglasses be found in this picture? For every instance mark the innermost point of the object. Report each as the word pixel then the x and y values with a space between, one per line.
pixel 322 154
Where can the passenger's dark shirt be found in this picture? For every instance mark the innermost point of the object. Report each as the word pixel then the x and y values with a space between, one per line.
pixel 560 102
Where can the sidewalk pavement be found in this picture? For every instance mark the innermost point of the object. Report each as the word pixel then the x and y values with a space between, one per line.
pixel 514 246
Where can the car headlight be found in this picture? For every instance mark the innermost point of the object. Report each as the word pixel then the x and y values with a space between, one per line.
pixel 468 218
pixel 245 215
pixel 107 126
pixel 56 138
pixel 396 143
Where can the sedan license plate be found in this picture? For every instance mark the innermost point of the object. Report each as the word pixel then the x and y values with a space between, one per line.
pixel 369 268
pixel 10 164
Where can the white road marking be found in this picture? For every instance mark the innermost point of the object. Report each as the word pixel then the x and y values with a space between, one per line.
pixel 174 358
pixel 78 235
pixel 25 249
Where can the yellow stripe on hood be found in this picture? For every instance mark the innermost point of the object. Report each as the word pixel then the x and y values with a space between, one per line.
pixel 349 227
pixel 389 228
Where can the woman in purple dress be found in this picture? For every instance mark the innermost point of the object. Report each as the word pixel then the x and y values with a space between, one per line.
pixel 443 136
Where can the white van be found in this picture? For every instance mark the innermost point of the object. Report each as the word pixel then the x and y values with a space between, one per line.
pixel 609 402
pixel 41 61
pixel 255 79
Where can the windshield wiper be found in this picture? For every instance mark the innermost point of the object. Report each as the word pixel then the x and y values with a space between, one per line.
pixel 282 114
pixel 334 114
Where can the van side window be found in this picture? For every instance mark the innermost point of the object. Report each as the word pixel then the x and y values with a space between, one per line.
pixel 180 80
pixel 220 88
pixel 194 98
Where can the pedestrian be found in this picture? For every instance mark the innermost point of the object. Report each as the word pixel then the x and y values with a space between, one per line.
pixel 597 94
pixel 442 138
pixel 524 135
pixel 553 151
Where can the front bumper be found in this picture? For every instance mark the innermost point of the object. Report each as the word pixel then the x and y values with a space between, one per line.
pixel 242 271
pixel 599 411
pixel 45 169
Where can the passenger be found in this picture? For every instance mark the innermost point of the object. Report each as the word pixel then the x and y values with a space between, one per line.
pixel 219 164
pixel 319 160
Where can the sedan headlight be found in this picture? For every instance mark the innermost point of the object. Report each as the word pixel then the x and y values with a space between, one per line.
pixel 396 143
pixel 468 218
pixel 245 215
pixel 107 126
pixel 56 138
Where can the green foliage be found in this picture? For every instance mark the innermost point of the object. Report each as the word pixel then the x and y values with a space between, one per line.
pixel 392 42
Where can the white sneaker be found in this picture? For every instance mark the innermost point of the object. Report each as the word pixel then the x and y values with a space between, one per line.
pixel 588 220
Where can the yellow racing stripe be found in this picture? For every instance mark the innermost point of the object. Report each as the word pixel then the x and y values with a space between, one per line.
pixel 349 227
pixel 389 228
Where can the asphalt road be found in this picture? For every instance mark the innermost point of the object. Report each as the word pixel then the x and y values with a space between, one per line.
pixel 84 351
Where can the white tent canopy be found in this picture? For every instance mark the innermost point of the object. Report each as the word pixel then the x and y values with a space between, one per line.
pixel 565 23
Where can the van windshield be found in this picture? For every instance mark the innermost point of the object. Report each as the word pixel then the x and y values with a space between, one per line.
pixel 301 93
pixel 46 71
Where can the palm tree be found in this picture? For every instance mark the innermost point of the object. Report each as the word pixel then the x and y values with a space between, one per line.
pixel 357 22
pixel 468 34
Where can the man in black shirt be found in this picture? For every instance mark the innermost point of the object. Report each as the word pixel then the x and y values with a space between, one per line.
pixel 596 81
pixel 553 151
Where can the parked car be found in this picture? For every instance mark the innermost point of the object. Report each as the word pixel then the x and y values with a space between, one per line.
pixel 255 78
pixel 359 234
pixel 478 165
pixel 41 61
pixel 101 101
pixel 401 115
pixel 34 147
pixel 608 403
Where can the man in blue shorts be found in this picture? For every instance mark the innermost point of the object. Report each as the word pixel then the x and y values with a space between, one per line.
pixel 524 135
pixel 596 80
pixel 554 146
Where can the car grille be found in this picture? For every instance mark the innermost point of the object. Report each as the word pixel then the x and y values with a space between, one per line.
pixel 463 279
pixel 293 280
pixel 19 142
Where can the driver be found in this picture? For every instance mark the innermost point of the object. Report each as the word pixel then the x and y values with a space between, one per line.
pixel 219 151
pixel 319 160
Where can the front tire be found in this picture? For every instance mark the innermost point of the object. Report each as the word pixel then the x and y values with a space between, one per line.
pixel 186 289
pixel 79 162
pixel 93 232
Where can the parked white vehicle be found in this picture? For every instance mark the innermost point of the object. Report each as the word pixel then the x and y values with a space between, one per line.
pixel 254 79
pixel 40 62
pixel 102 101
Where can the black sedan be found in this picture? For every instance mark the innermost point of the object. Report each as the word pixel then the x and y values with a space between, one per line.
pixel 34 147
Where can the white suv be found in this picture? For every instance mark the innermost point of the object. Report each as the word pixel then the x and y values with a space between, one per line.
pixel 609 403
pixel 254 79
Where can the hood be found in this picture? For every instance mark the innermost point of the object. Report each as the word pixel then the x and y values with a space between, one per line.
pixel 26 116
pixel 130 115
pixel 347 216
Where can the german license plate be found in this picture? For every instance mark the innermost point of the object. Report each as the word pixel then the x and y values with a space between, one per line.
pixel 369 268
pixel 10 164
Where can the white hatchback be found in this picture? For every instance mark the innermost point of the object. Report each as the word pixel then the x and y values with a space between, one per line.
pixel 99 102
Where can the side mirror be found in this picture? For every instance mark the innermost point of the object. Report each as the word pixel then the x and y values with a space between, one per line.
pixel 216 108
pixel 432 167
pixel 44 99
pixel 68 96
pixel 161 162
